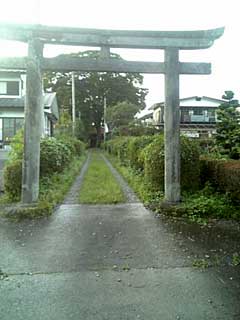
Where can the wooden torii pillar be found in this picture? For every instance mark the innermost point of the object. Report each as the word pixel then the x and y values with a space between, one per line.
pixel 170 41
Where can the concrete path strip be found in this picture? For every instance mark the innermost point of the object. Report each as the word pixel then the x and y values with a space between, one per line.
pixel 73 194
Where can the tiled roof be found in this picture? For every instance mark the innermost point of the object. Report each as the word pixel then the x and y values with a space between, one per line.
pixel 12 102
pixel 19 102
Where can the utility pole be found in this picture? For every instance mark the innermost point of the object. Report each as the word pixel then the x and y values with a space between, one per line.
pixel 73 104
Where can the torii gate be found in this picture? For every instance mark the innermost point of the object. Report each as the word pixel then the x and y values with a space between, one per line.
pixel 170 41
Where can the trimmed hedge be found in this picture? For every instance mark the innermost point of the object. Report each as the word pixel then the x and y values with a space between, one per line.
pixel 118 148
pixel 128 149
pixel 134 149
pixel 146 154
pixel 153 156
pixel 224 175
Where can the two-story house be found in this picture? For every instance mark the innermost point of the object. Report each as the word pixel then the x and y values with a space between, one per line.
pixel 197 115
pixel 12 101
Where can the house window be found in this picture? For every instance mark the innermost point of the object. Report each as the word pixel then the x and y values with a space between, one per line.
pixel 3 87
pixel 9 88
pixel 10 127
pixel 13 88
pixel 19 122
pixel 198 112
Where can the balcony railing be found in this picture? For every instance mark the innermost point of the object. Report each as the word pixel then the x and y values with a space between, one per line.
pixel 197 119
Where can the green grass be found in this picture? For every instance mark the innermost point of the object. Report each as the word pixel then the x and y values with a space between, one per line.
pixel 99 185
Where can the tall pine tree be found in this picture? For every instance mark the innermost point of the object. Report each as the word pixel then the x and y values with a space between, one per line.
pixel 228 126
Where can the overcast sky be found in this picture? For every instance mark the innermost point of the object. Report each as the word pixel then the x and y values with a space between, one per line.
pixel 144 15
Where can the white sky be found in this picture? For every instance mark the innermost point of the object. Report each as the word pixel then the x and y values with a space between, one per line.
pixel 144 15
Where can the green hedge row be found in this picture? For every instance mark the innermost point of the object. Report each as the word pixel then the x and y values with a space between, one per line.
pixel 146 154
pixel 224 175
pixel 55 156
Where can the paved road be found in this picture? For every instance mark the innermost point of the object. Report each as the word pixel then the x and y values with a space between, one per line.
pixel 117 262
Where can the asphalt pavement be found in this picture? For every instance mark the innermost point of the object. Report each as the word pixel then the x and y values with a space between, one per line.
pixel 118 262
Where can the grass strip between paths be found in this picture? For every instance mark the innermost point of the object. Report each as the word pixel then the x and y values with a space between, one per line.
pixel 99 185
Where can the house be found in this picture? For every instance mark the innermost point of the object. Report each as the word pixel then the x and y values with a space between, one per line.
pixel 12 100
pixel 197 116
pixel 145 116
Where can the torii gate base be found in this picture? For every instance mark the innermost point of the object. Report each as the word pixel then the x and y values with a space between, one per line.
pixel 170 41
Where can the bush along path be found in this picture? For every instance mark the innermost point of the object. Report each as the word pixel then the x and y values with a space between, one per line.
pixel 116 261
pixel 210 188
pixel 60 161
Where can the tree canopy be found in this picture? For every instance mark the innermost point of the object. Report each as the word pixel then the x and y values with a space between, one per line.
pixel 121 114
pixel 228 126
pixel 92 87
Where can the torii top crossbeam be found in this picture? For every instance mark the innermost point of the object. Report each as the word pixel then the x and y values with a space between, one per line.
pixel 187 40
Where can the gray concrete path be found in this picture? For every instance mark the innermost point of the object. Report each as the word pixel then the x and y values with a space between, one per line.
pixel 117 262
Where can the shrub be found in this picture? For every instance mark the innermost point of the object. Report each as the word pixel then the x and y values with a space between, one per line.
pixel 54 156
pixel 135 130
pixel 13 179
pixel 118 147
pixel 207 203
pixel 148 153
pixel 122 150
pixel 153 156
pixel 79 147
pixel 207 145
pixel 76 146
pixel 134 149
pixel 190 164
pixel 17 146
pixel 224 175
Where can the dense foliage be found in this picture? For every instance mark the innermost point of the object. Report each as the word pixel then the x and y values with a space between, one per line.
pixel 228 127
pixel 210 188
pixel 224 176
pixel 147 154
pixel 134 150
pixel 55 156
pixel 120 114
pixel 134 129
